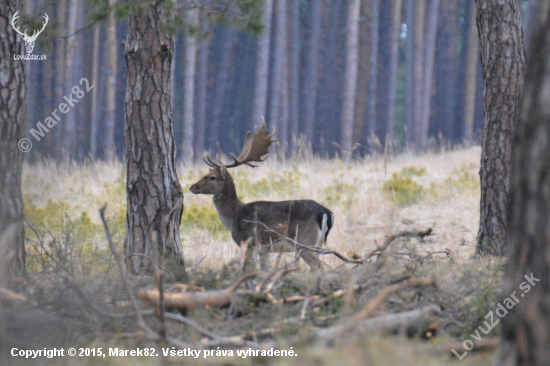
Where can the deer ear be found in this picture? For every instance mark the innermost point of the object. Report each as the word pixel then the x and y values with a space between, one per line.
pixel 223 170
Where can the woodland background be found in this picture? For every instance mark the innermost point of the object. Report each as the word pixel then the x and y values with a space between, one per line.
pixel 342 76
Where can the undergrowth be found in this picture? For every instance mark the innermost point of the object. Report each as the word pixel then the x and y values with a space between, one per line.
pixel 402 190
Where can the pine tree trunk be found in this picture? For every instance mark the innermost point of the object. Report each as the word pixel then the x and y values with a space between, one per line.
pixel 221 86
pixel 525 330
pixel 154 195
pixel 294 71
pixel 280 57
pixel 429 56
pixel 189 85
pixel 409 74
pixel 418 74
pixel 311 69
pixel 201 88
pixel 262 66
pixel 60 55
pixel 373 71
pixel 503 60
pixel 393 63
pixel 109 147
pixel 348 108
pixel 472 55
pixel 444 114
pixel 363 70
pixel 94 118
pixel 13 119
pixel 70 134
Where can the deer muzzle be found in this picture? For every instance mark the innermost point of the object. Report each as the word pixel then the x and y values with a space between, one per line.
pixel 195 189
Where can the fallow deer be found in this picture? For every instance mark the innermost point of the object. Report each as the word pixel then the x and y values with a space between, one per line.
pixel 269 224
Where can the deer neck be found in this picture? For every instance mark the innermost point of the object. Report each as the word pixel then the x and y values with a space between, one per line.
pixel 227 203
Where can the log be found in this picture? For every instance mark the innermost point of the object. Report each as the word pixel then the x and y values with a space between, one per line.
pixel 410 323
pixel 11 297
pixel 192 300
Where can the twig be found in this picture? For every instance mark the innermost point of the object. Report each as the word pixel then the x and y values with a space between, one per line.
pixel 149 332
pixel 308 247
pixel 278 277
pixel 160 288
pixel 193 324
pixel 390 239
pixel 270 274
pixel 336 331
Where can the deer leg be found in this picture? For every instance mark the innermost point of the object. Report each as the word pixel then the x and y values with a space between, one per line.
pixel 264 261
pixel 311 259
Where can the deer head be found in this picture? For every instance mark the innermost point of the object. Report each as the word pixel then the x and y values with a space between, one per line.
pixel 255 149
pixel 29 40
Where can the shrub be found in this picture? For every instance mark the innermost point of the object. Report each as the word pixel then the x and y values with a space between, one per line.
pixel 402 190
pixel 462 180
pixel 412 171
pixel 202 217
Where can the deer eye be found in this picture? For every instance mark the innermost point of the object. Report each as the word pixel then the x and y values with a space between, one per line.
pixel 212 178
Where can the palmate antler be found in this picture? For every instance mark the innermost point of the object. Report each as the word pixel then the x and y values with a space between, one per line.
pixel 256 145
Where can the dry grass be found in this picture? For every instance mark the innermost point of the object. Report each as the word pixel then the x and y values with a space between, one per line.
pixel 353 191
pixel 66 197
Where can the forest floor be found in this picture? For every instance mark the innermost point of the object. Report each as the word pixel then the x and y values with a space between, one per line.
pixel 72 273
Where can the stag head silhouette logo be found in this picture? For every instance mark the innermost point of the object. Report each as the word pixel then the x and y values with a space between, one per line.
pixel 29 40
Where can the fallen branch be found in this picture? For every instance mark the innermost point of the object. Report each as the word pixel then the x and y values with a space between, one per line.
pixel 11 297
pixel 193 300
pixel 331 333
pixel 479 346
pixel 410 323
pixel 148 331
pixel 401 234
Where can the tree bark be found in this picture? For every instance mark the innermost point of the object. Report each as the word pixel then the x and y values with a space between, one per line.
pixel 373 71
pixel 409 72
pixel 429 56
pixel 503 60
pixel 221 86
pixel 201 88
pixel 70 135
pixel 443 117
pixel 393 63
pixel 348 107
pixel 109 148
pixel 13 119
pixel 279 62
pixel 472 55
pixel 294 71
pixel 262 66
pixel 311 66
pixel 60 54
pixel 418 74
pixel 153 192
pixel 525 331
pixel 363 71
pixel 94 118
pixel 189 87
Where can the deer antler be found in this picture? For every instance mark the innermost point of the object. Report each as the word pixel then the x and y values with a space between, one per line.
pixel 15 16
pixel 37 32
pixel 256 146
